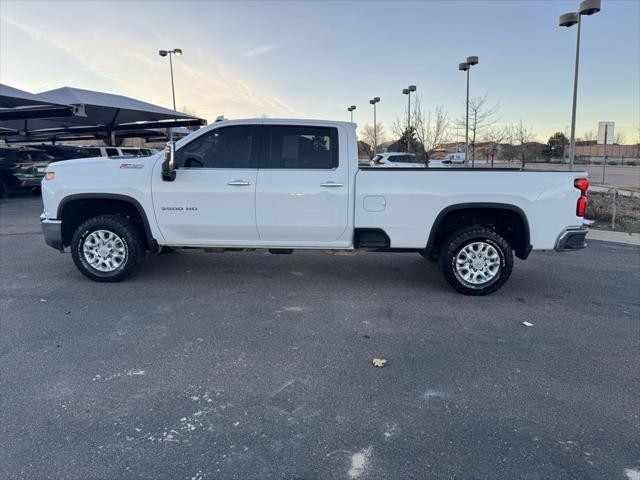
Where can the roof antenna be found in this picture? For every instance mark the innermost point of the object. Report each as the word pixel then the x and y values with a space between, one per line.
pixel 220 118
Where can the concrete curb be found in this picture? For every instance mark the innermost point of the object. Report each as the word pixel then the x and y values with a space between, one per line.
pixel 617 237
pixel 624 191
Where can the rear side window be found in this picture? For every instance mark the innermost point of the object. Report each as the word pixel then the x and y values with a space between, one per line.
pixel 112 152
pixel 226 147
pixel 403 159
pixel 302 147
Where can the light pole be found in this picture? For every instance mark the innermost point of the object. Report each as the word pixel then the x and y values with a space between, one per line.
pixel 350 110
pixel 373 102
pixel 587 7
pixel 466 67
pixel 164 53
pixel 407 91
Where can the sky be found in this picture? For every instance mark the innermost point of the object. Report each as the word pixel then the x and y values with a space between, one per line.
pixel 306 59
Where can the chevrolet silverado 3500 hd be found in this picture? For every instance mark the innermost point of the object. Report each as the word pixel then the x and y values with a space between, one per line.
pixel 295 184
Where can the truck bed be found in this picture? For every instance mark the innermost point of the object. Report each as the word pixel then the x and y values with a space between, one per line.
pixel 407 205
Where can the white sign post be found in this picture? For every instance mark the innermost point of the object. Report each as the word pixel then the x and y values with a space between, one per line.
pixel 605 137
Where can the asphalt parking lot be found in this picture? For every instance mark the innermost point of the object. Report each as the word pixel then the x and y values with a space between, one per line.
pixel 258 366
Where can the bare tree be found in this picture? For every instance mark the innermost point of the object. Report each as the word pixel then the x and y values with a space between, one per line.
pixel 431 127
pixel 368 135
pixel 588 135
pixel 619 138
pixel 398 128
pixel 481 117
pixel 495 136
pixel 523 136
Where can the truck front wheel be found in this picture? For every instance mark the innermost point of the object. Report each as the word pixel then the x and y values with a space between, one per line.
pixel 476 260
pixel 107 248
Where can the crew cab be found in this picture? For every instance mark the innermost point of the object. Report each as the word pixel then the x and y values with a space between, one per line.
pixel 282 185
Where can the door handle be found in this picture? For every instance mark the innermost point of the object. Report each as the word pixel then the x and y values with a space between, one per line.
pixel 331 184
pixel 239 183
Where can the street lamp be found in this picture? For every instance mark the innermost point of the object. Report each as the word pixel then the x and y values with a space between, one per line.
pixel 373 102
pixel 164 53
pixel 350 110
pixel 466 67
pixel 587 7
pixel 407 91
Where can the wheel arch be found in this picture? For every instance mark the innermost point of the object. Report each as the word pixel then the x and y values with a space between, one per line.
pixel 520 241
pixel 84 199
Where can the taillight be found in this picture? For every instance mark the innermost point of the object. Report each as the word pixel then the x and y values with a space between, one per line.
pixel 581 184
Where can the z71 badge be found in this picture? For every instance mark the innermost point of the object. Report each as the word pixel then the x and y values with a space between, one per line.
pixel 131 165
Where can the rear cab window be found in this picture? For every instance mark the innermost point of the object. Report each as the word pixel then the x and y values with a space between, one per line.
pixel 403 159
pixel 300 147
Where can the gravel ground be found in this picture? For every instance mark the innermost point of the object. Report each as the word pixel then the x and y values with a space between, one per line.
pixel 600 209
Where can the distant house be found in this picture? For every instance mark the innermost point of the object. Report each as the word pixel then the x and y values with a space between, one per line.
pixel 445 148
pixel 364 150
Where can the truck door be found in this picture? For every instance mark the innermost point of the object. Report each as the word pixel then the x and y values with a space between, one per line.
pixel 302 192
pixel 212 199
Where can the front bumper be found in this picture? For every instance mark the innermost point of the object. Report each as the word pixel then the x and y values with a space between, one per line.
pixel 52 230
pixel 571 239
pixel 28 181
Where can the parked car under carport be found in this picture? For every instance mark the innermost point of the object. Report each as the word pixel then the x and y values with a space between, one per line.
pixel 22 169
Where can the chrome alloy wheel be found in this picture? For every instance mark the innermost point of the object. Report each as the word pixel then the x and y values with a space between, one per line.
pixel 104 250
pixel 477 264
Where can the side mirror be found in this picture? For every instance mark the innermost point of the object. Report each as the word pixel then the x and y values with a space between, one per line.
pixel 169 163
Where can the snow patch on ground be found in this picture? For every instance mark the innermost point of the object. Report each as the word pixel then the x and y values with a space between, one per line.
pixel 128 373
pixel 632 473
pixel 390 430
pixel 430 393
pixel 191 423
pixel 360 462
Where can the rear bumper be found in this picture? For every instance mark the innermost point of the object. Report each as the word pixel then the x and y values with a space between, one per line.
pixel 52 231
pixel 571 239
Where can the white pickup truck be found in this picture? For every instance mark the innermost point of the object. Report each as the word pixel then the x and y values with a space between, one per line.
pixel 282 185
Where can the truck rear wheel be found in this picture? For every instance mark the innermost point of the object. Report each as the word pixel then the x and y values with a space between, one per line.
pixel 476 260
pixel 107 248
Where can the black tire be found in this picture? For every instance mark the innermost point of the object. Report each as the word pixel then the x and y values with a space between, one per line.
pixel 432 257
pixel 131 238
pixel 457 241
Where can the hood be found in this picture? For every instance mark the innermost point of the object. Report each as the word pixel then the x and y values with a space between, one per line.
pixel 104 162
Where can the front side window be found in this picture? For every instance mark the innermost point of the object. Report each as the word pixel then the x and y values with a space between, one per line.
pixel 112 152
pixel 303 147
pixel 226 147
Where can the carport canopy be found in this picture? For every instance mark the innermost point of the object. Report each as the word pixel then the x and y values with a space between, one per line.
pixel 17 104
pixel 99 114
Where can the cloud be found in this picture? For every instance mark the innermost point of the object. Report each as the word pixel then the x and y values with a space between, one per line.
pixel 262 49
pixel 202 85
